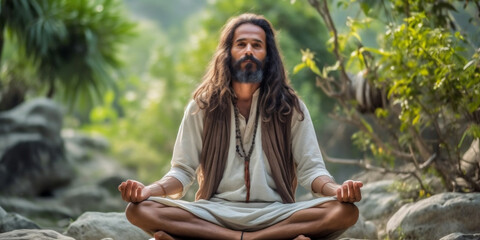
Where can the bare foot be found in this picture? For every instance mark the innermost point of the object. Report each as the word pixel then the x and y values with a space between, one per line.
pixel 301 237
pixel 161 235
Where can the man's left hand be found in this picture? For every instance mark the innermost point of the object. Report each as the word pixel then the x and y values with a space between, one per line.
pixel 349 191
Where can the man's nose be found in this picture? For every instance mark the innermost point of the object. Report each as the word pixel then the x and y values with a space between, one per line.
pixel 248 50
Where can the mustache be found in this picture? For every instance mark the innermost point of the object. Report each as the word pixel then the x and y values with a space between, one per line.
pixel 236 65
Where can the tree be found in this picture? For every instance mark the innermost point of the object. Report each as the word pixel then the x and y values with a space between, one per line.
pixel 416 97
pixel 72 45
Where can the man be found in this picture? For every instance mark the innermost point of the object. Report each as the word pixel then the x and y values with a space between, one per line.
pixel 249 140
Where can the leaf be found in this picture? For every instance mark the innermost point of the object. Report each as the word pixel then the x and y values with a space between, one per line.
pixel 314 68
pixel 332 68
pixel 355 34
pixel 365 8
pixel 367 125
pixel 299 67
pixel 377 51
pixel 468 64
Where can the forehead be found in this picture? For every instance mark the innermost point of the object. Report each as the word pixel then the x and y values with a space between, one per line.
pixel 249 31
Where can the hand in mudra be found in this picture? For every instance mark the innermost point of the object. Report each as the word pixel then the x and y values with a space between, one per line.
pixel 349 191
pixel 134 191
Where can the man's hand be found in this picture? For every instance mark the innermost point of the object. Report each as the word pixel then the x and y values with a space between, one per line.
pixel 134 191
pixel 349 191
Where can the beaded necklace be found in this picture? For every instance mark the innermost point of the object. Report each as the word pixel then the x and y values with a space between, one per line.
pixel 241 151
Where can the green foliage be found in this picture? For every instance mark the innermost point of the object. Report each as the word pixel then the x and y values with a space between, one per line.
pixel 141 116
pixel 431 79
pixel 73 45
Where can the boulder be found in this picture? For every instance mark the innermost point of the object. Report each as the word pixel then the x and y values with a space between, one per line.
pixel 2 212
pixel 32 155
pixel 377 201
pixel 361 230
pixel 436 217
pixel 26 234
pixel 14 221
pixel 36 208
pixel 461 236
pixel 92 163
pixel 91 198
pixel 97 225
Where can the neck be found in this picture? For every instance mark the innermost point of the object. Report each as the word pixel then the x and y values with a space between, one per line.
pixel 244 93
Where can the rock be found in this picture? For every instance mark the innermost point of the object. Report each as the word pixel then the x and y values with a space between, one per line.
pixel 436 217
pixel 25 234
pixel 13 221
pixel 377 201
pixel 84 141
pixel 91 162
pixel 32 155
pixel 91 198
pixel 97 225
pixel 36 208
pixel 461 236
pixel 361 230
pixel 2 212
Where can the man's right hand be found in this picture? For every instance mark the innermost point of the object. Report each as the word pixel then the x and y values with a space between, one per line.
pixel 134 191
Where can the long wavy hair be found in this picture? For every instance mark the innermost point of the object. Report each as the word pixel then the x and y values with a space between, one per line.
pixel 276 94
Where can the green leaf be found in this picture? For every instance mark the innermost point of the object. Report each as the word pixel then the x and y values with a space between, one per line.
pixel 365 8
pixel 313 67
pixel 299 67
pixel 468 64
pixel 367 125
pixel 355 34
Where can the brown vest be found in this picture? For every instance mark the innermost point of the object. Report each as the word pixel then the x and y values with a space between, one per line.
pixel 276 144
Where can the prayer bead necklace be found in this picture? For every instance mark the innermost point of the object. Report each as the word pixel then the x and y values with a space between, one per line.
pixel 241 151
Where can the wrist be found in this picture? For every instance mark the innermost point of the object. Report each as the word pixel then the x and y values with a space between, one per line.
pixel 326 186
pixel 157 189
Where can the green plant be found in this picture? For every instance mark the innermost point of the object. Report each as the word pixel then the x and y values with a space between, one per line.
pixel 72 45
pixel 415 100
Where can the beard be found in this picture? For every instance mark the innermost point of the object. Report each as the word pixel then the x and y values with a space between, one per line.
pixel 248 75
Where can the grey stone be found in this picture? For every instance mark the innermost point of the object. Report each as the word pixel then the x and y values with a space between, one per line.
pixel 377 201
pixel 14 221
pixel 461 236
pixel 36 208
pixel 361 230
pixel 2 212
pixel 94 142
pixel 32 155
pixel 29 234
pixel 436 217
pixel 91 198
pixel 97 225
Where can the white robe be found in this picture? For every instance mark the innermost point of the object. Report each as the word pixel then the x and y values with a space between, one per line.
pixel 227 207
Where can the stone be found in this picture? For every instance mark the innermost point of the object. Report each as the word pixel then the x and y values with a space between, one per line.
pixel 461 236
pixel 36 207
pixel 14 221
pixel 98 225
pixel 32 155
pixel 436 217
pixel 361 230
pixel 2 212
pixel 91 198
pixel 377 201
pixel 27 234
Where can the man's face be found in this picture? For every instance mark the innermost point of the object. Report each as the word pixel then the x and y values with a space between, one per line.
pixel 249 51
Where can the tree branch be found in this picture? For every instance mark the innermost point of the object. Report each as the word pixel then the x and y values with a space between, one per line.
pixel 322 9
